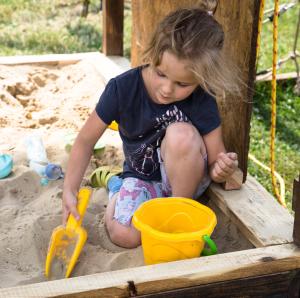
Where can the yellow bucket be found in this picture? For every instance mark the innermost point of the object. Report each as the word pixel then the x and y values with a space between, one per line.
pixel 174 229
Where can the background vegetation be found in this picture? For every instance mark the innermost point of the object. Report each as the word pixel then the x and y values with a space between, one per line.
pixel 288 107
pixel 56 26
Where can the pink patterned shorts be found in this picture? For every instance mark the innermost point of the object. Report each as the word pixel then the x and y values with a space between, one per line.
pixel 134 192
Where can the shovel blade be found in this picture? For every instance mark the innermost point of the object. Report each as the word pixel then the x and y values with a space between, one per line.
pixel 67 241
pixel 64 249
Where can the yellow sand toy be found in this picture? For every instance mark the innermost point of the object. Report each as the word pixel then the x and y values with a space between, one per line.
pixel 67 242
pixel 174 229
pixel 114 126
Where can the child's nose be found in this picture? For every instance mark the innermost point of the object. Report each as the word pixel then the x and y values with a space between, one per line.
pixel 167 88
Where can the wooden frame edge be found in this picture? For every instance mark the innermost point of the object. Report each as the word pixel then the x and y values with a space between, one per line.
pixel 168 276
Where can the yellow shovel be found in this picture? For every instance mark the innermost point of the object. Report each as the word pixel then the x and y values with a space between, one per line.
pixel 67 242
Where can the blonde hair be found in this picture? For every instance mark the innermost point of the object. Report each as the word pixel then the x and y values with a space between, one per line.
pixel 193 35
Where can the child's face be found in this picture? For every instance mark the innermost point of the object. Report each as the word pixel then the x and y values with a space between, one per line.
pixel 171 81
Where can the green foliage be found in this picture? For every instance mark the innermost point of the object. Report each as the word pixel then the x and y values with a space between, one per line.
pixel 127 32
pixel 32 27
pixel 287 151
pixel 86 34
pixel 287 24
pixel 287 134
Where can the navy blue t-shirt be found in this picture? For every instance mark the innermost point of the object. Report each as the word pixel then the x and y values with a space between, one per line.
pixel 143 123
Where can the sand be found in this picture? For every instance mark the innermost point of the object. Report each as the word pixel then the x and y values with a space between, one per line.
pixel 53 102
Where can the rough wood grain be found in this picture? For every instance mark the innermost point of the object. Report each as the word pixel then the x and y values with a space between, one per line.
pixel 113 19
pixel 168 276
pixel 296 208
pixel 235 181
pixel 261 219
pixel 145 16
pixel 240 23
pixel 272 285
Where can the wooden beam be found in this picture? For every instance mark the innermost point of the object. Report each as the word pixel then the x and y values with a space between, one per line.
pixel 240 48
pixel 279 77
pixel 145 16
pixel 107 66
pixel 113 18
pixel 296 208
pixel 168 276
pixel 260 218
pixel 50 59
pixel 259 286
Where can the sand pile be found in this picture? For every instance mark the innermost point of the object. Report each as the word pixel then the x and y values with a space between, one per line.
pixel 52 102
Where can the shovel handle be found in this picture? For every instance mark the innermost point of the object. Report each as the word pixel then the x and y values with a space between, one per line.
pixel 82 203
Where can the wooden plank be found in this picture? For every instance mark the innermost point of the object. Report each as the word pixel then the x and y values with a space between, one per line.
pixel 113 18
pixel 258 287
pixel 50 59
pixel 145 16
pixel 261 219
pixel 110 66
pixel 168 276
pixel 240 24
pixel 279 77
pixel 107 66
pixel 296 208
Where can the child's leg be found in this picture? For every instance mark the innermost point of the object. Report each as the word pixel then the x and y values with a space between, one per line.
pixel 183 152
pixel 125 236
pixel 121 207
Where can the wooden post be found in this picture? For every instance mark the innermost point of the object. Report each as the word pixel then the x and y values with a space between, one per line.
pixel 85 8
pixel 145 16
pixel 296 208
pixel 240 21
pixel 113 17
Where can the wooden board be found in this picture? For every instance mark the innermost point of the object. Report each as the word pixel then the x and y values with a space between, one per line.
pixel 257 214
pixel 279 77
pixel 296 208
pixel 240 24
pixel 145 16
pixel 271 285
pixel 113 19
pixel 168 276
pixel 50 59
pixel 107 66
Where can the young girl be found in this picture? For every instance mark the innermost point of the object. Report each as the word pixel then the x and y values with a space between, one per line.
pixel 168 121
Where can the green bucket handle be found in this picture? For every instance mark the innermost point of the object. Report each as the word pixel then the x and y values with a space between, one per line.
pixel 212 246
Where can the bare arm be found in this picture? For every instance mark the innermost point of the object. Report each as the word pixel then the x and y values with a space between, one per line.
pixel 79 158
pixel 221 163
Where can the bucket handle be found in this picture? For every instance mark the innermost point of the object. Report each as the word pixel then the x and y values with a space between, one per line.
pixel 212 246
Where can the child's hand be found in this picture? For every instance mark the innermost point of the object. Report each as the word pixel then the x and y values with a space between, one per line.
pixel 224 166
pixel 69 206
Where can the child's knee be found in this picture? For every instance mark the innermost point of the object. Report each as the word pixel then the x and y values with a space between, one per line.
pixel 183 138
pixel 123 236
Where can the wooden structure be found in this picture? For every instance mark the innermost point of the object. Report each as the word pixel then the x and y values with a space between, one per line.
pixel 272 266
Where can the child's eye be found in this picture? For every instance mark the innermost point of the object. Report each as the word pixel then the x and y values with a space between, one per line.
pixel 182 84
pixel 160 74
